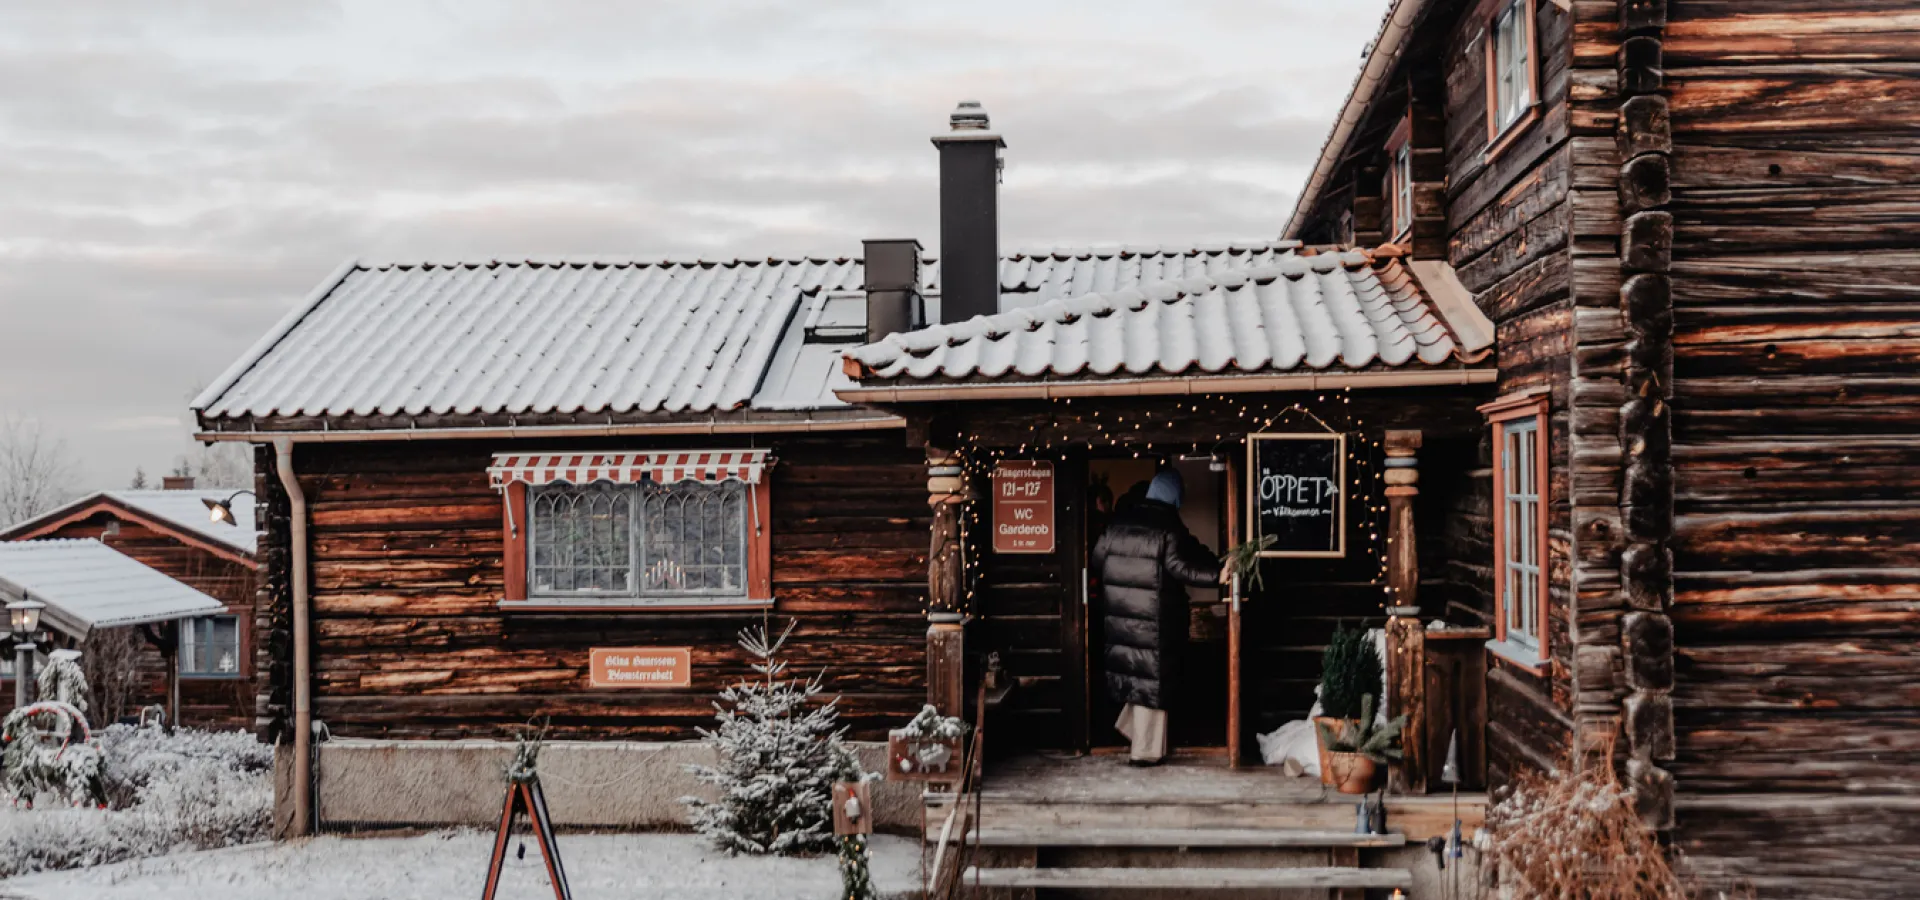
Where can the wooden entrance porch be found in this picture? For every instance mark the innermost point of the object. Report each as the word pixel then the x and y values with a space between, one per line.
pixel 1093 823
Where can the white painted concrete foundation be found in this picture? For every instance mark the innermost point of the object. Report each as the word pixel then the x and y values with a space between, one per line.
pixel 589 784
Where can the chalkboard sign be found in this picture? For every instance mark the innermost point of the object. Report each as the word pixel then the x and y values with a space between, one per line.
pixel 1296 493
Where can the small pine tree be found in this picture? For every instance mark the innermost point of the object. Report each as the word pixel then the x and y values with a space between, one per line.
pixel 779 757
pixel 1349 670
pixel 139 482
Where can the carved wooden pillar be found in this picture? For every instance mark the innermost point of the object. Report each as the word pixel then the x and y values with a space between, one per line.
pixel 1403 484
pixel 946 581
pixel 1406 644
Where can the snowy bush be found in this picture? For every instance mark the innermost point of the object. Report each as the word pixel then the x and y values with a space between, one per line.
pixel 166 792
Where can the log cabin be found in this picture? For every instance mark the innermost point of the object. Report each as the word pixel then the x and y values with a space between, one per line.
pixel 198 669
pixel 505 491
pixel 1534 384
pixel 1693 225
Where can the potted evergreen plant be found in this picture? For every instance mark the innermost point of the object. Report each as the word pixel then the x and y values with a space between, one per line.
pixel 1349 672
pixel 1354 757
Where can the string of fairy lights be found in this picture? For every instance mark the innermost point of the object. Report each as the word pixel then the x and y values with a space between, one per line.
pixel 1141 432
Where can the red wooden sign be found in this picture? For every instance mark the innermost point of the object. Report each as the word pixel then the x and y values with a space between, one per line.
pixel 640 667
pixel 1023 506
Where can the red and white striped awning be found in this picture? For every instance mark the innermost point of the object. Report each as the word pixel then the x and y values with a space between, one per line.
pixel 627 468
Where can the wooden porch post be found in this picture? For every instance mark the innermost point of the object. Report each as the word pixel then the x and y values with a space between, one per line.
pixel 1406 635
pixel 946 577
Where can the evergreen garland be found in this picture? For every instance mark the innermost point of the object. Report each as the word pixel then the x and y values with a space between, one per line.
pixel 856 872
pixel 1349 671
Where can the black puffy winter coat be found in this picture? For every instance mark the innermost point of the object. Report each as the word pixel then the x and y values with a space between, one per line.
pixel 1145 563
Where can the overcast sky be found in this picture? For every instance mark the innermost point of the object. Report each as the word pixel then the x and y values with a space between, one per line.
pixel 174 175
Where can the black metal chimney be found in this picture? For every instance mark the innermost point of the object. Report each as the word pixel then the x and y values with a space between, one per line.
pixel 969 215
pixel 892 285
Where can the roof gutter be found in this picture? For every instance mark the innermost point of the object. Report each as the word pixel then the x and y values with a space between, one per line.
pixel 512 432
pixel 1385 52
pixel 1143 387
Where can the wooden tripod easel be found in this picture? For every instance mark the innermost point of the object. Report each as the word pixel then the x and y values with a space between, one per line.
pixel 526 796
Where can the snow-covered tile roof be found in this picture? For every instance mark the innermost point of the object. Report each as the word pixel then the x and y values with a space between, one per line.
pixel 182 510
pixel 86 585
pixel 519 337
pixel 188 510
pixel 1347 309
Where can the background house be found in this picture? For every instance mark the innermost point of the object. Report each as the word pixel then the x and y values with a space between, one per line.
pixel 171 532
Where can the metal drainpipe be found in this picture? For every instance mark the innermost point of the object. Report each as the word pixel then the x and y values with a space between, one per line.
pixel 302 689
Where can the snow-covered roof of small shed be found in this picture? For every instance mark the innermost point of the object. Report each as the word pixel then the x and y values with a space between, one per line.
pixel 86 585
pixel 1348 309
pixel 590 336
pixel 181 511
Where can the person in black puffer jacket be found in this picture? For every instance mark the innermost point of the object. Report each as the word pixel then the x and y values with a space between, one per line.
pixel 1145 562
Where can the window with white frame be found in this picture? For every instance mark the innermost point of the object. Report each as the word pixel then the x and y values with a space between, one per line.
pixel 680 540
pixel 1520 527
pixel 1519 554
pixel 1510 79
pixel 1403 188
pixel 210 646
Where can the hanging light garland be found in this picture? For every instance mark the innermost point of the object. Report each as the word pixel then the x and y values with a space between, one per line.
pixel 1131 430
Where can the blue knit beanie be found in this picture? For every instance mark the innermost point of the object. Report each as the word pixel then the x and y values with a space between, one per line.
pixel 1167 488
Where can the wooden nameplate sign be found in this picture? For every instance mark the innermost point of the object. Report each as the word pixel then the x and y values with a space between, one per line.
pixel 526 797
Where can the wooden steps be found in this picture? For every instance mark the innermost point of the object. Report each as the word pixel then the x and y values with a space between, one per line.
pixel 1180 837
pixel 1190 879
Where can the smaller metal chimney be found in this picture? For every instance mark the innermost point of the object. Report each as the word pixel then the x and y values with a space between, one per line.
pixel 969 215
pixel 892 286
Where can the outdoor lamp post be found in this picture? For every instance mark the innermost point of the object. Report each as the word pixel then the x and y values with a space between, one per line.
pixel 23 617
pixel 222 510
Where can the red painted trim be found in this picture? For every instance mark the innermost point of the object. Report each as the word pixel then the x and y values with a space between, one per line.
pixel 594 609
pixel 760 542
pixel 120 511
pixel 1528 405
pixel 513 530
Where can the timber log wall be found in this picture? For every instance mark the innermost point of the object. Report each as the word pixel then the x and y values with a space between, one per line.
pixel 407 572
pixel 1796 429
pixel 1511 219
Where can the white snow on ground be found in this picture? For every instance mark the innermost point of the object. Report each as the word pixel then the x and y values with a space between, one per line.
pixel 180 791
pixel 451 865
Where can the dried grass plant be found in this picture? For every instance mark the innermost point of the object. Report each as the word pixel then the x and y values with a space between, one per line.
pixel 1573 833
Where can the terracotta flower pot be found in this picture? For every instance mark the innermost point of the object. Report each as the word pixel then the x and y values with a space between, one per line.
pixel 1352 772
pixel 1338 727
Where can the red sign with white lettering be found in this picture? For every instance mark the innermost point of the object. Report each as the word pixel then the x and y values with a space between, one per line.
pixel 1023 506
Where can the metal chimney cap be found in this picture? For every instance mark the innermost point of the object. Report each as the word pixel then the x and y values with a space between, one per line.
pixel 969 116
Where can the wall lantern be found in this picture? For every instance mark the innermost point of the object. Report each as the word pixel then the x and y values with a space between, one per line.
pixel 222 510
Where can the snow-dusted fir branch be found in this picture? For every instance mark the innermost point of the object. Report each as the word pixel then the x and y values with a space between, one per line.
pixel 780 752
pixel 930 725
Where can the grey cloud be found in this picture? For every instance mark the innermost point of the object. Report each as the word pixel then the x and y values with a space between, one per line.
pixel 182 172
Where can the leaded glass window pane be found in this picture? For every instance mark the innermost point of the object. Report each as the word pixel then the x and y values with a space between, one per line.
pixel 694 539
pixel 582 540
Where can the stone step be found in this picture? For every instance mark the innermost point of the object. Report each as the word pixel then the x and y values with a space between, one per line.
pixel 992 836
pixel 1190 879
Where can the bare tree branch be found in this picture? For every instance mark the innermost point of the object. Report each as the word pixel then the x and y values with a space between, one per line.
pixel 36 470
